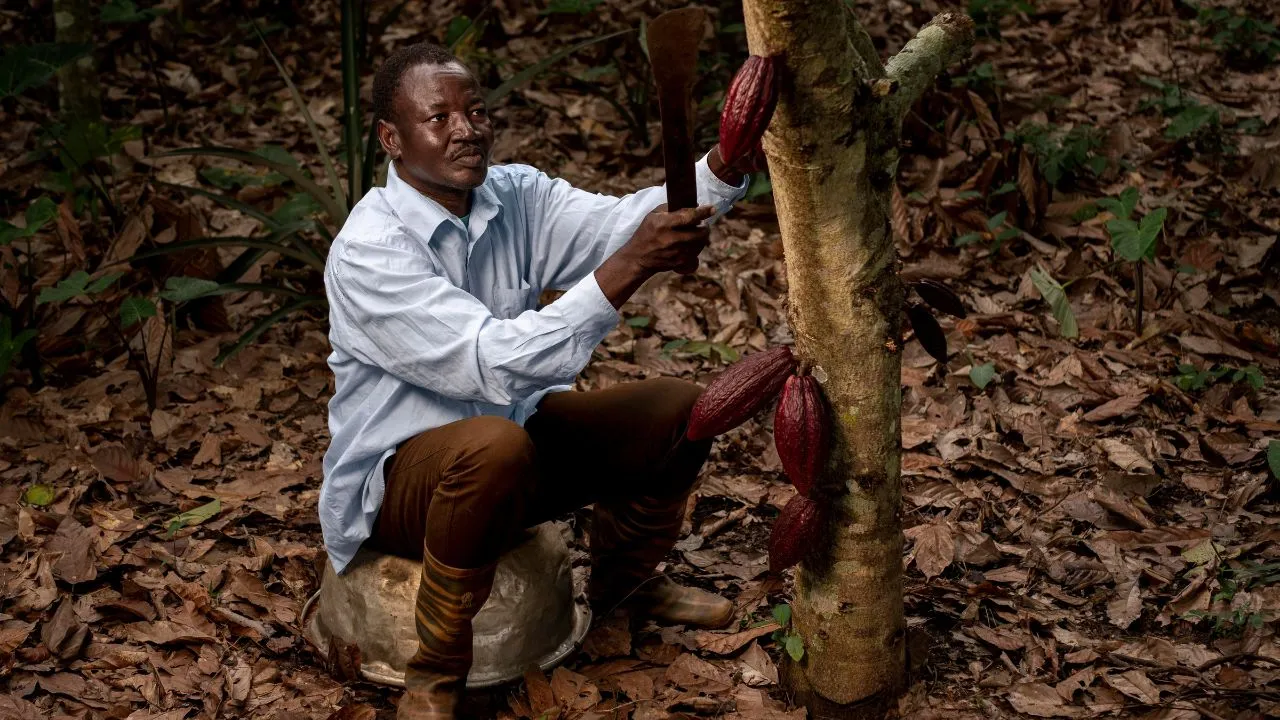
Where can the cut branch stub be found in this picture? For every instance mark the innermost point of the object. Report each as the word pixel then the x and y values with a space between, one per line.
pixel 740 392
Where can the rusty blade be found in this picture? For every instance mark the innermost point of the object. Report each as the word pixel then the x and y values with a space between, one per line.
pixel 673 40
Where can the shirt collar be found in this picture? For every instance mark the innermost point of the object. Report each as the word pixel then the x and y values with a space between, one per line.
pixel 424 216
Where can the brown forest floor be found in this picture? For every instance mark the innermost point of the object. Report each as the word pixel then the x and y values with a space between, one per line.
pixel 1084 535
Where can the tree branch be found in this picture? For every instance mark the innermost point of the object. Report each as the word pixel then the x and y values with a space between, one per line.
pixel 946 39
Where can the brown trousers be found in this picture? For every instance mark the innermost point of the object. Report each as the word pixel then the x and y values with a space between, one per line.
pixel 467 488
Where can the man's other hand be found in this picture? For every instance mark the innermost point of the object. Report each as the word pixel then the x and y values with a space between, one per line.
pixel 669 240
pixel 664 241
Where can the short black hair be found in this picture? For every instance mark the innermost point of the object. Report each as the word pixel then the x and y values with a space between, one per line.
pixel 386 82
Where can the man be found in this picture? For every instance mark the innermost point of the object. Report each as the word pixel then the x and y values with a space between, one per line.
pixel 453 422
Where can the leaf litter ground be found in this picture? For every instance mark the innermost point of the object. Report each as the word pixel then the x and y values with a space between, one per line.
pixel 1093 531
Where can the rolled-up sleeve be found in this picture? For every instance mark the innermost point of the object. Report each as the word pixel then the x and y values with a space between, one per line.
pixel 394 311
pixel 573 231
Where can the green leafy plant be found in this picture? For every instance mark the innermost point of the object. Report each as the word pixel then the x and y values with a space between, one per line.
pixel 785 635
pixel 987 14
pixel 17 324
pixel 1191 378
pixel 1246 42
pixel 132 314
pixel 1191 122
pixel 1063 157
pixel 1273 458
pixel 1054 294
pixel 981 77
pixel 993 232
pixel 981 375
pixel 701 348
pixel 1134 240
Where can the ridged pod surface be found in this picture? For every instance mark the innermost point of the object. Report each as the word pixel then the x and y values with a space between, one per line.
pixel 748 107
pixel 739 392
pixel 802 431
pixel 796 533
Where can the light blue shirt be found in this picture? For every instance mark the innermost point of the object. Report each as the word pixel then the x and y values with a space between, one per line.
pixel 432 322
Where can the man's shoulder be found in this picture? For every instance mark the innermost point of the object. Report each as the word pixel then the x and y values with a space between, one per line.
pixel 371 221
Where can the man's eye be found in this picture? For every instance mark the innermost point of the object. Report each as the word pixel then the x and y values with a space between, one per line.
pixel 481 111
pixel 437 116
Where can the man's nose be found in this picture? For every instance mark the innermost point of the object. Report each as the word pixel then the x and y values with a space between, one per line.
pixel 463 128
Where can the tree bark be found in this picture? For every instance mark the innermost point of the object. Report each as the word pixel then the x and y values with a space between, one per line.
pixel 78 90
pixel 832 155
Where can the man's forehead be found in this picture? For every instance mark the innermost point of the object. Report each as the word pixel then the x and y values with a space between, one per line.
pixel 438 73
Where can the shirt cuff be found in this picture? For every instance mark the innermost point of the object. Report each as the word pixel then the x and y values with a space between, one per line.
pixel 714 191
pixel 588 311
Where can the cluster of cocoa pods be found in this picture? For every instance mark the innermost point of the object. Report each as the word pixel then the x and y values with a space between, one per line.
pixel 801 434
pixel 802 419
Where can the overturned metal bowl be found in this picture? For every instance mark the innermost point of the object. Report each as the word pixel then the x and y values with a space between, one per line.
pixel 534 615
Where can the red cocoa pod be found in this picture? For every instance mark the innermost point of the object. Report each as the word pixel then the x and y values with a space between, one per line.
pixel 748 107
pixel 928 332
pixel 802 431
pixel 939 297
pixel 797 531
pixel 739 392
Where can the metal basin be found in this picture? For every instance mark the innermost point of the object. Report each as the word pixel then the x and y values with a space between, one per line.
pixel 534 615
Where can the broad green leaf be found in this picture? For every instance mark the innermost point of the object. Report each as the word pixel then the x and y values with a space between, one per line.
pixel 11 346
pixel 1124 239
pixel 69 287
pixel 134 310
pixel 184 289
pixel 298 207
pixel 782 613
pixel 1123 206
pixel 26 66
pixel 1004 189
pixel 39 495
pixel 639 321
pixel 39 213
pixel 1190 120
pixel 725 352
pixel 195 516
pixel 997 220
pixel 1273 458
pixel 1053 294
pixel 982 375
pixel 795 647
pixel 103 283
pixel 1149 232
pixel 968 239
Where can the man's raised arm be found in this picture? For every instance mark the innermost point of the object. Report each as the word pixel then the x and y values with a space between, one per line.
pixel 574 231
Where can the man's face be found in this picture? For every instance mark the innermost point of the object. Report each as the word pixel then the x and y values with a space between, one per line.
pixel 441 134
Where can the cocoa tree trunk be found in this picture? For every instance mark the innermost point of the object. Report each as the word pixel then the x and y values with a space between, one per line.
pixel 832 154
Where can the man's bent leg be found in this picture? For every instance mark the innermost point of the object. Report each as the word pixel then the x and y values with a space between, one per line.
pixel 624 448
pixel 455 493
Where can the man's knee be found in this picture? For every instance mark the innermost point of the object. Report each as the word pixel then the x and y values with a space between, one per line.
pixel 674 398
pixel 498 453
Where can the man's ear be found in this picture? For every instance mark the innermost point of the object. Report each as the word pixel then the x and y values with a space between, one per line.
pixel 390 138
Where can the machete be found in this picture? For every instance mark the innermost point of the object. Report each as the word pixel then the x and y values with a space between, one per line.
pixel 673 40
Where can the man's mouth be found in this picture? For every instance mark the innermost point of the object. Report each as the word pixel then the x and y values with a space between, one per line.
pixel 469 158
